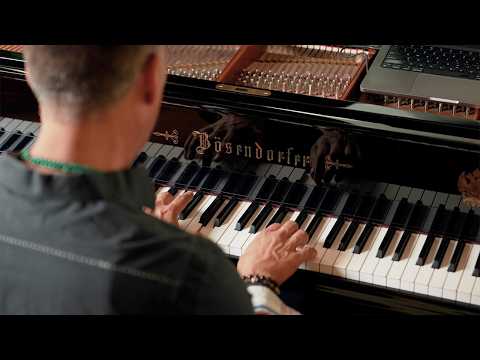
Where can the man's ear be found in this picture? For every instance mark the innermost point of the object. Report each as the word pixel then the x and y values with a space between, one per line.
pixel 152 82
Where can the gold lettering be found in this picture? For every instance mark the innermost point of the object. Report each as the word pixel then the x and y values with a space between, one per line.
pixel 288 154
pixel 270 155
pixel 258 151
pixel 218 146
pixel 248 151
pixel 239 150
pixel 228 148
pixel 281 156
pixel 297 160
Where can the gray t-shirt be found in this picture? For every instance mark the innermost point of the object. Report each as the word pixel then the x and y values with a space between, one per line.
pixel 81 244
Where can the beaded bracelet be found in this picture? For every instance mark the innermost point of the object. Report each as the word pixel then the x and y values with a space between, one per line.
pixel 262 280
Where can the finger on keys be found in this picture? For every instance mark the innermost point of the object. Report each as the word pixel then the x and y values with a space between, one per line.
pixel 273 227
pixel 163 198
pixel 287 230
pixel 147 210
pixel 304 254
pixel 180 202
pixel 299 238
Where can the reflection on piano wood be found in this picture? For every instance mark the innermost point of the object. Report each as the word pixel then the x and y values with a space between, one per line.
pixel 399 237
pixel 418 105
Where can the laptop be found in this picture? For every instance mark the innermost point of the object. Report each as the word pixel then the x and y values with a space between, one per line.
pixel 443 73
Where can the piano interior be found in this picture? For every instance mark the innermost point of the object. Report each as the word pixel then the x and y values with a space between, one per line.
pixel 387 187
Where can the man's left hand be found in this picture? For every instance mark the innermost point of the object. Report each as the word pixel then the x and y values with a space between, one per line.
pixel 167 208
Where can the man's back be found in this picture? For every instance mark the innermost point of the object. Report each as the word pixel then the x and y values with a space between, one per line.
pixel 80 244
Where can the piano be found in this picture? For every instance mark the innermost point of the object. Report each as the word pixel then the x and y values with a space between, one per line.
pixel 389 196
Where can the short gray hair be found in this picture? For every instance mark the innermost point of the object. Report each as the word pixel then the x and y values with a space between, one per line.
pixel 83 77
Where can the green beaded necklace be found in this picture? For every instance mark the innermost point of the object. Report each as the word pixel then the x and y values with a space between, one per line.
pixel 68 168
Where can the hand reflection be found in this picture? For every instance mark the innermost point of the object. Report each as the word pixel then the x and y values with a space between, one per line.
pixel 333 153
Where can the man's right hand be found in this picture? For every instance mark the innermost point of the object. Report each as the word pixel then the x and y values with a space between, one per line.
pixel 276 252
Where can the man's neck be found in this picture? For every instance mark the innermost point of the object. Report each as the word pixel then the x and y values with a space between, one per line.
pixel 92 142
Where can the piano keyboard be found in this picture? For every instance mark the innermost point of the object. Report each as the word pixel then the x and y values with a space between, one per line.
pixel 386 235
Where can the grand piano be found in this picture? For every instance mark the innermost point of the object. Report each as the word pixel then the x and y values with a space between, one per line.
pixel 387 188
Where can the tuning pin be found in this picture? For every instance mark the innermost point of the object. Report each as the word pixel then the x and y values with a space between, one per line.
pixel 467 112
pixel 454 109
pixel 412 104
pixel 426 106
pixel 398 102
pixel 440 107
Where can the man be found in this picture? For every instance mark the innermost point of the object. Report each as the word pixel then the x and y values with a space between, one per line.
pixel 82 233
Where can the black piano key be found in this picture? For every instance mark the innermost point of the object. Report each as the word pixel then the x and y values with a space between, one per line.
pixel 332 235
pixel 476 270
pixel 347 237
pixel 260 219
pixel 402 244
pixel 387 239
pixel 191 205
pixel 225 212
pixel 187 174
pixel 362 240
pixel 457 254
pixel 24 142
pixel 242 222
pixel 173 190
pixel 10 140
pixel 211 210
pixel 314 223
pixel 302 216
pixel 279 216
pixel 427 246
pixel 365 207
pixel 442 249
pixel 168 170
pixel 141 158
pixel 156 165
pixel 315 197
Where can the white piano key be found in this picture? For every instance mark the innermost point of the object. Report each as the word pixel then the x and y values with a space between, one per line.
pixel 23 126
pixel 353 268
pixel 331 254
pixel 207 231
pixel 440 275
pixel 426 271
pixel 385 263
pixel 195 226
pixel 317 241
pixel 230 232
pixel 344 258
pixel 4 122
pixel 465 288
pixel 475 299
pixel 407 282
pixel 252 236
pixel 368 268
pixel 398 267
pixel 32 127
pixel 12 125
pixel 452 282
pixel 242 236
pixel 216 233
